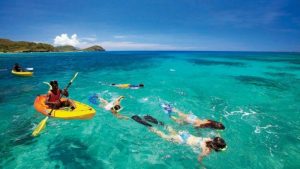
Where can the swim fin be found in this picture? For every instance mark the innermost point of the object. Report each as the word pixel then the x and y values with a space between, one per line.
pixel 141 121
pixel 153 120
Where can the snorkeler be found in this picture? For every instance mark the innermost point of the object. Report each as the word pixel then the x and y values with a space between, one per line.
pixel 182 118
pixel 114 107
pixel 183 137
pixel 126 86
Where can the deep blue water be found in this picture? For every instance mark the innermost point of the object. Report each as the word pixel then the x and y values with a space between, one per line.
pixel 256 96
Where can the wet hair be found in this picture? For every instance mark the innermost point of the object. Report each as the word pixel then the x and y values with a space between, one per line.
pixel 218 144
pixel 53 82
pixel 212 124
pixel 141 85
pixel 113 84
pixel 117 107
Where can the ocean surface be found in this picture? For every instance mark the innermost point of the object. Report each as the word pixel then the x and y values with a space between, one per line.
pixel 255 95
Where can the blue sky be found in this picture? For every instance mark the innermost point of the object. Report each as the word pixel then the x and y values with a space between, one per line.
pixel 229 25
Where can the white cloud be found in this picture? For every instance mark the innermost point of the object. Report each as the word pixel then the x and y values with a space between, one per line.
pixel 64 39
pixel 85 42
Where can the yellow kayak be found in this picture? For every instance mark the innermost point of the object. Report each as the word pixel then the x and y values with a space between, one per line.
pixel 82 111
pixel 22 73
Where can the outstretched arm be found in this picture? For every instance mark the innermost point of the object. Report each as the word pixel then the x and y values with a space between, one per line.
pixel 118 115
pixel 103 101
pixel 205 152
pixel 118 100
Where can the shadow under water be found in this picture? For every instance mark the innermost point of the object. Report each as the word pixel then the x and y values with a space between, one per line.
pixel 19 133
pixel 72 153
pixel 280 74
pixel 212 63
pixel 260 81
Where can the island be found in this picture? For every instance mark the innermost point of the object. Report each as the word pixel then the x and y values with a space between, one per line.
pixel 7 45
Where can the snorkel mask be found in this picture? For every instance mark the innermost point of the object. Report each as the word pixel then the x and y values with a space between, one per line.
pixel 223 149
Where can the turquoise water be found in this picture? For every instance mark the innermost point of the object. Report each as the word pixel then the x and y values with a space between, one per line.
pixel 256 96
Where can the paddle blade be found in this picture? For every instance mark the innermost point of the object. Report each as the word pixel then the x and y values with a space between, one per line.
pixel 40 127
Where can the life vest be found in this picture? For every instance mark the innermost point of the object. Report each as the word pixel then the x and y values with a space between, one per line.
pixel 53 97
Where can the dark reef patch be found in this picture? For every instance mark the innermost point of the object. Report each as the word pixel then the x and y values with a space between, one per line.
pixel 72 153
pixel 260 81
pixel 280 74
pixel 293 67
pixel 19 133
pixel 212 63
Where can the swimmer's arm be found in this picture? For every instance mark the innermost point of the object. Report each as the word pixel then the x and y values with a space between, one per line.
pixel 204 153
pixel 103 101
pixel 118 115
pixel 118 100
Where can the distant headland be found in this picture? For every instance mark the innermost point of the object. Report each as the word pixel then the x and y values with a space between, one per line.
pixel 7 45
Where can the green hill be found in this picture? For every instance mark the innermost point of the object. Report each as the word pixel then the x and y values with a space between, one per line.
pixel 66 48
pixel 7 45
pixel 94 48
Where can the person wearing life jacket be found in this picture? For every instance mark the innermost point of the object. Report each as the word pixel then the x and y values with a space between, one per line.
pixel 53 97
pixel 17 68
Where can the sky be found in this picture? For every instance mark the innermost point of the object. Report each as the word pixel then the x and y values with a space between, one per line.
pixel 196 25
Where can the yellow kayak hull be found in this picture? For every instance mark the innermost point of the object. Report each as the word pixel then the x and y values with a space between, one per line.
pixel 82 111
pixel 22 73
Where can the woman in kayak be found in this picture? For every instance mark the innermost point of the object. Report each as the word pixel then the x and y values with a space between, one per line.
pixel 126 86
pixel 207 145
pixel 190 118
pixel 54 95
pixel 114 107
pixel 17 68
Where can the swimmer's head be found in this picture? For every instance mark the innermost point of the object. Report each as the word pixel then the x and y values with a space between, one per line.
pixel 113 84
pixel 116 107
pixel 217 125
pixel 218 144
pixel 141 85
pixel 212 124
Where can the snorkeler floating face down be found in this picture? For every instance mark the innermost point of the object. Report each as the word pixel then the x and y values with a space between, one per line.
pixel 116 107
pixel 212 124
pixel 218 144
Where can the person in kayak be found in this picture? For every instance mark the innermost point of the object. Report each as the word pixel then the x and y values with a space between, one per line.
pixel 130 86
pixel 190 118
pixel 53 97
pixel 114 107
pixel 17 68
pixel 207 145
